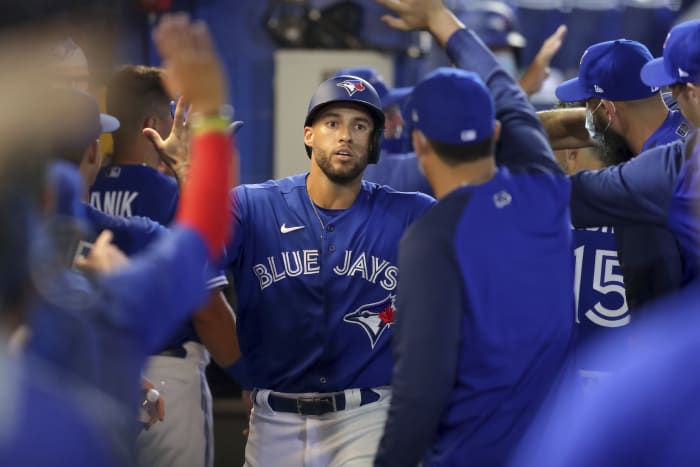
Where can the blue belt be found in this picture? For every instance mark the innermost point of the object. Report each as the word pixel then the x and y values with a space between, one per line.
pixel 317 405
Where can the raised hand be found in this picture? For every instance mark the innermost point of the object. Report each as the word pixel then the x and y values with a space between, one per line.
pixel 538 71
pixel 174 150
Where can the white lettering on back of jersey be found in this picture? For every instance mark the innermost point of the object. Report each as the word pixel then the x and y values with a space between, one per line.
pixel 115 203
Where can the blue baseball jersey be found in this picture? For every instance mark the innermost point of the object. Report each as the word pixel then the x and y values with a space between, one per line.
pixel 316 288
pixel 135 190
pixel 399 171
pixel 644 414
pixel 675 127
pixel 485 315
pixel 656 188
pixel 599 290
pixel 139 190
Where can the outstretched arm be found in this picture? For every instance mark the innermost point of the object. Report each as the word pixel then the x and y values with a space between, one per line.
pixel 523 142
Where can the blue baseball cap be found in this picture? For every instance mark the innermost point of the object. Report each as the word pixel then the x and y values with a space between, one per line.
pixel 452 106
pixel 387 95
pixel 681 60
pixel 609 70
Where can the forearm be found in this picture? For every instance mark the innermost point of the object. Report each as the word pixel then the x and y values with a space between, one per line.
pixel 566 128
pixel 216 329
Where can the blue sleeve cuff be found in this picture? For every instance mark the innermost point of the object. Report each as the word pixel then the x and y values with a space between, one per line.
pixel 239 373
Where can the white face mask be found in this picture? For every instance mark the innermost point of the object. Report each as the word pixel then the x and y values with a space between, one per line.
pixel 590 124
pixel 506 59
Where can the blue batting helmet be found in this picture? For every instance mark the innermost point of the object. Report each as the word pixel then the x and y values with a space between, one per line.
pixel 347 88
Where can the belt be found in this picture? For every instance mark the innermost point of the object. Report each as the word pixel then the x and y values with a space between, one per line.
pixel 176 352
pixel 317 405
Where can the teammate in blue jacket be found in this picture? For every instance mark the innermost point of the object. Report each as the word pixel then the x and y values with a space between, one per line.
pixel 658 187
pixel 627 116
pixel 484 316
pixel 313 259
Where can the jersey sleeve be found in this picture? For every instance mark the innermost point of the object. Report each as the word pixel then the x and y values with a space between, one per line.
pixel 159 289
pixel 425 345
pixel 131 234
pixel 523 142
pixel 636 192
pixel 238 204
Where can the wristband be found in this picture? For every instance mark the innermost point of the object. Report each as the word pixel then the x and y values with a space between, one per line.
pixel 201 123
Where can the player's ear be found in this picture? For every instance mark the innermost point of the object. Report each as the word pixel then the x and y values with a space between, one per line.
pixel 693 93
pixel 419 142
pixel 308 136
pixel 92 153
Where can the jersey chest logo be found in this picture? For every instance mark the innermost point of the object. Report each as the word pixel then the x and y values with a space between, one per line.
pixel 374 318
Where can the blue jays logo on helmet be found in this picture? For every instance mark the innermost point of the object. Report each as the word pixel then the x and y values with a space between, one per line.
pixel 352 86
pixel 374 318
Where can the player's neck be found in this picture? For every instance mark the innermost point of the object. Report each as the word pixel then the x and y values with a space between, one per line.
pixel 330 195
pixel 446 178
pixel 135 153
pixel 646 122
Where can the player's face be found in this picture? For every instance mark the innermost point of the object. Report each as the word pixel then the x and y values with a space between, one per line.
pixel 340 139
pixel 614 146
pixel 688 98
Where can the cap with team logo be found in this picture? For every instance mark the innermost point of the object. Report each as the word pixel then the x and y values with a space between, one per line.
pixel 452 106
pixel 609 70
pixel 681 60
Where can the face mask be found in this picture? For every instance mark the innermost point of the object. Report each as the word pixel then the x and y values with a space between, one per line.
pixel 506 59
pixel 593 132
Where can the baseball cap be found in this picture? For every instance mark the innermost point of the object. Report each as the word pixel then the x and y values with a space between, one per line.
pixel 83 123
pixel 681 60
pixel 452 106
pixel 387 95
pixel 609 70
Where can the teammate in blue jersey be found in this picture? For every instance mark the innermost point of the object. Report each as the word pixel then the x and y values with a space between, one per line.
pixel 397 166
pixel 657 187
pixel 484 316
pixel 313 260
pixel 599 291
pixel 133 307
pixel 626 117
pixel 126 187
pixel 133 186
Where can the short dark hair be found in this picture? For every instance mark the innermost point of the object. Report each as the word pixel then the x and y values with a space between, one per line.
pixel 454 154
pixel 134 92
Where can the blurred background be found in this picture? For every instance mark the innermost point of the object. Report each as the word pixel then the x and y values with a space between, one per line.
pixel 277 51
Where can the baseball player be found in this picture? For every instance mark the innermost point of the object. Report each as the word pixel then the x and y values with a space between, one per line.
pixel 484 321
pixel 599 292
pixel 627 117
pixel 132 185
pixel 313 259
pixel 396 167
pixel 657 187
pixel 132 322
